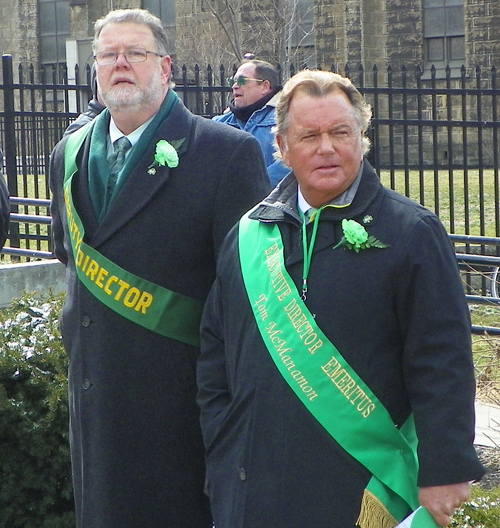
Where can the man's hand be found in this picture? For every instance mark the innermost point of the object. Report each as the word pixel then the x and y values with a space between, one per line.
pixel 442 501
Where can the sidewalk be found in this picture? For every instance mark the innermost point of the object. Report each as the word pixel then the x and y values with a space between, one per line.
pixel 487 425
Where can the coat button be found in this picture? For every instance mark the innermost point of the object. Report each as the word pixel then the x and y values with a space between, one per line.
pixel 242 473
pixel 85 321
pixel 86 384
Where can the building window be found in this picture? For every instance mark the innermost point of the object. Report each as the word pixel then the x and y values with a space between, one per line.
pixel 54 30
pixel 165 11
pixel 444 34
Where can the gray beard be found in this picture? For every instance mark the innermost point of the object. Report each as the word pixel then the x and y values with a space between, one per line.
pixel 132 98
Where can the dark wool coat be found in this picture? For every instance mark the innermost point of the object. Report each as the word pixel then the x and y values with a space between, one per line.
pixel 399 317
pixel 4 211
pixel 137 451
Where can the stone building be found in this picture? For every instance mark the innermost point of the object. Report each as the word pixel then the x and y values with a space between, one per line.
pixel 321 33
pixel 409 32
pixel 19 29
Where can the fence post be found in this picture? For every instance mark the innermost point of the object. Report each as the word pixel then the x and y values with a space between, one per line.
pixel 10 140
pixel 10 124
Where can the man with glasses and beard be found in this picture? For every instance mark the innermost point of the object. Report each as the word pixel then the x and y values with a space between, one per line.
pixel 143 196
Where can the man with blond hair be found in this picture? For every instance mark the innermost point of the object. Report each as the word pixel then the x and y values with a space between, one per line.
pixel 335 338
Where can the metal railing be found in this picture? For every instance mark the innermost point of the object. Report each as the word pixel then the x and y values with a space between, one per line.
pixel 25 229
pixel 479 264
pixel 479 270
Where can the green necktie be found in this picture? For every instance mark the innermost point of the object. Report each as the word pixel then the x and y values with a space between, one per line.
pixel 116 161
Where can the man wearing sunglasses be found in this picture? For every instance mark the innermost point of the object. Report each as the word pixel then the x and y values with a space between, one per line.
pixel 256 91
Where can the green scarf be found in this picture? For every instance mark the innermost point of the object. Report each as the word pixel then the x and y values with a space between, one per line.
pixel 147 304
pixel 98 169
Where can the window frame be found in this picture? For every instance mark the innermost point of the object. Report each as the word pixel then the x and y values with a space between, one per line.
pixel 451 28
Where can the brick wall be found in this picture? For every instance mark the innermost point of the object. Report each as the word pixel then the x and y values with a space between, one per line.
pixel 369 32
pixel 482 27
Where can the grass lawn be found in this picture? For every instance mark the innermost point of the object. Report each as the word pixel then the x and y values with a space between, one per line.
pixel 462 214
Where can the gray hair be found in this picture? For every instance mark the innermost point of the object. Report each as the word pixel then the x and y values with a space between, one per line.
pixel 137 16
pixel 318 83
pixel 265 71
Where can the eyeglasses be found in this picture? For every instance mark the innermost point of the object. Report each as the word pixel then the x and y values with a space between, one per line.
pixel 241 80
pixel 133 55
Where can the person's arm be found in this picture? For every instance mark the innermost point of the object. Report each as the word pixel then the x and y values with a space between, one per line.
pixel 438 369
pixel 4 211
pixel 213 387
pixel 57 204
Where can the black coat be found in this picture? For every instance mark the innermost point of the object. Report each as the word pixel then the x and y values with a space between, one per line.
pixel 398 316
pixel 136 444
pixel 93 110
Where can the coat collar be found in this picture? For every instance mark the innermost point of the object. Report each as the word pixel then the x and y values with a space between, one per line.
pixel 141 186
pixel 281 204
pixel 281 207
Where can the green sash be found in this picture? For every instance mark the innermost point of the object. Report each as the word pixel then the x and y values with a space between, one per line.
pixel 323 380
pixel 156 308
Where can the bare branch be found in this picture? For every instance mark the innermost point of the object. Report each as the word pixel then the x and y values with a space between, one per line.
pixel 233 39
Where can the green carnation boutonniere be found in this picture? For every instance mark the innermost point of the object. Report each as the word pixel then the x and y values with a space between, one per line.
pixel 166 154
pixel 355 237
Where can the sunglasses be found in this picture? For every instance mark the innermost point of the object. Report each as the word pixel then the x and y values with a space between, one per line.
pixel 241 80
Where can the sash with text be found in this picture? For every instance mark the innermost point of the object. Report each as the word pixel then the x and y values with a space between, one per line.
pixel 323 380
pixel 147 304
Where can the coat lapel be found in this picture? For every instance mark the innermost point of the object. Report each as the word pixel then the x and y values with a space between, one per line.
pixel 142 186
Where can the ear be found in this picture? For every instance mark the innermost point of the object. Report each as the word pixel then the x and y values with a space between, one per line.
pixel 266 87
pixel 166 67
pixel 283 149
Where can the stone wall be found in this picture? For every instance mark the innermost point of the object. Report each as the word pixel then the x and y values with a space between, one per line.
pixel 374 47
pixel 330 32
pixel 404 33
pixel 199 37
pixel 37 277
pixel 482 27
pixel 202 40
pixel 18 30
pixel 387 32
pixel 353 32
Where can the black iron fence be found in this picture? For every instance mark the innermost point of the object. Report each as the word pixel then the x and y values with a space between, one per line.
pixel 434 140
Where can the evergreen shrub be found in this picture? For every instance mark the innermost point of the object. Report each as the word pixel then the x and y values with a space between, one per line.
pixel 35 472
